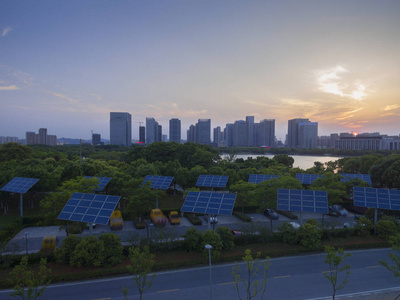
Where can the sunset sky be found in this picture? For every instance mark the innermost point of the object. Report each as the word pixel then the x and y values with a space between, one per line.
pixel 65 65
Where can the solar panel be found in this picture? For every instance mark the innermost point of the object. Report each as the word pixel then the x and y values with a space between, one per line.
pixel 303 200
pixel 348 177
pixel 212 181
pixel 19 185
pixel 89 208
pixel 307 178
pixel 103 181
pixel 257 178
pixel 376 198
pixel 159 182
pixel 209 203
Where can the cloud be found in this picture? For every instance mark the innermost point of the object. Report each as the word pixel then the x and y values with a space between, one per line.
pixel 9 88
pixel 5 31
pixel 348 114
pixel 390 107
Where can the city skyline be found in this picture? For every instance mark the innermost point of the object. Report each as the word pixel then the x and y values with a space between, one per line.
pixel 66 65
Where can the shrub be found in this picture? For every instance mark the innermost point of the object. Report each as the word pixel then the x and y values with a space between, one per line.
pixel 113 249
pixel 289 233
pixel 386 228
pixel 287 214
pixel 310 236
pixel 193 219
pixel 89 252
pixel 363 226
pixel 210 237
pixel 193 239
pixel 226 237
pixel 241 216
pixel 63 255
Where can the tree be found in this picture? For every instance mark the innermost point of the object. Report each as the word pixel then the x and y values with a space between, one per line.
pixel 244 190
pixel 248 278
pixel 309 235
pixel 28 283
pixel 334 258
pixel 142 263
pixel 284 159
pixel 395 257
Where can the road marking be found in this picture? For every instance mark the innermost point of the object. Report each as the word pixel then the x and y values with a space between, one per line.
pixel 284 276
pixel 377 266
pixel 166 291
pixel 226 283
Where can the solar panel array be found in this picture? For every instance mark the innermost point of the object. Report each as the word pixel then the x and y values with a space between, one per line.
pixel 209 203
pixel 376 198
pixel 89 208
pixel 212 181
pixel 307 178
pixel 303 201
pixel 257 178
pixel 103 181
pixel 348 177
pixel 19 185
pixel 158 182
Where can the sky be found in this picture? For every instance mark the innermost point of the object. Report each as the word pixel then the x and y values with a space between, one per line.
pixel 65 65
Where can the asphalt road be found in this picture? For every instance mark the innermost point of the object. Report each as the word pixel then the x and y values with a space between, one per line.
pixel 296 277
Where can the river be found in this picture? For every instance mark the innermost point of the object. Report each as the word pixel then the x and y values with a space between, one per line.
pixel 302 161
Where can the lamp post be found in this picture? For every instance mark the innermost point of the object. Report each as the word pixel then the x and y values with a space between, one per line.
pixel 26 242
pixel 208 247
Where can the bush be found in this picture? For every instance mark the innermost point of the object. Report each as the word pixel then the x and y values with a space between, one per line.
pixel 309 235
pixel 193 240
pixel 194 219
pixel 363 226
pixel 113 249
pixel 226 237
pixel 241 216
pixel 210 237
pixel 89 252
pixel 287 214
pixel 63 255
pixel 386 228
pixel 289 234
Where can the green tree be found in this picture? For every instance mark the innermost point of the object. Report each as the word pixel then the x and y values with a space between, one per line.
pixel 10 151
pixel 284 159
pixel 193 239
pixel 29 284
pixel 248 278
pixel 334 258
pixel 226 237
pixel 142 262
pixel 310 235
pixel 113 249
pixel 394 241
pixel 88 253
pixel 210 237
pixel 244 191
pixel 63 255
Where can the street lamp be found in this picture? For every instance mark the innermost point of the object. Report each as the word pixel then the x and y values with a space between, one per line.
pixel 26 242
pixel 208 247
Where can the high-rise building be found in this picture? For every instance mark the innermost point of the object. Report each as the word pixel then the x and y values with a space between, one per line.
pixel 175 130
pixel 96 139
pixel 308 135
pixel 142 134
pixel 43 136
pixel 120 128
pixel 250 130
pixel 218 136
pixel 191 134
pixel 293 132
pixel 153 131
pixel 228 135
pixel 31 138
pixel 240 133
pixel 203 131
pixel 265 133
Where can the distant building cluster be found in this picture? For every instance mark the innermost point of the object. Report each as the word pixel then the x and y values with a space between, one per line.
pixel 8 139
pixel 41 138
pixel 302 133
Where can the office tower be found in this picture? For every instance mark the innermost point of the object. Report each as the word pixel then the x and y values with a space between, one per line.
pixel 164 138
pixel 142 134
pixel 96 139
pixel 43 136
pixel 159 133
pixel 240 131
pixel 293 132
pixel 228 135
pixel 175 130
pixel 308 135
pixel 120 128
pixel 30 138
pixel 217 135
pixel 203 131
pixel 265 133
pixel 250 131
pixel 153 131
pixel 191 134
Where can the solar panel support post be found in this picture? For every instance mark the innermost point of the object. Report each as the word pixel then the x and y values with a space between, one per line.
pixel 21 205
pixel 301 218
pixel 90 228
pixel 375 219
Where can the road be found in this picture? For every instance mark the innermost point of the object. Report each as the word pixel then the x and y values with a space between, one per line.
pixel 296 277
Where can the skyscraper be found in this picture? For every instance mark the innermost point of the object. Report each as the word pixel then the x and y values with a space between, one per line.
pixel 265 133
pixel 175 130
pixel 250 130
pixel 203 131
pixel 153 131
pixel 120 128
pixel 240 131
pixel 308 135
pixel 43 136
pixel 142 134
pixel 293 132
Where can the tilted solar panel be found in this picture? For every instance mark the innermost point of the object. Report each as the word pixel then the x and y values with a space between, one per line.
pixel 302 200
pixel 19 185
pixel 212 181
pixel 209 203
pixel 348 177
pixel 257 178
pixel 159 182
pixel 103 181
pixel 307 178
pixel 89 208
pixel 376 198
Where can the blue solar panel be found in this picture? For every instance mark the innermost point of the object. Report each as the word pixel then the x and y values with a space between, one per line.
pixel 159 182
pixel 209 203
pixel 302 200
pixel 212 181
pixel 376 198
pixel 19 185
pixel 257 178
pixel 348 177
pixel 103 181
pixel 307 178
pixel 89 208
